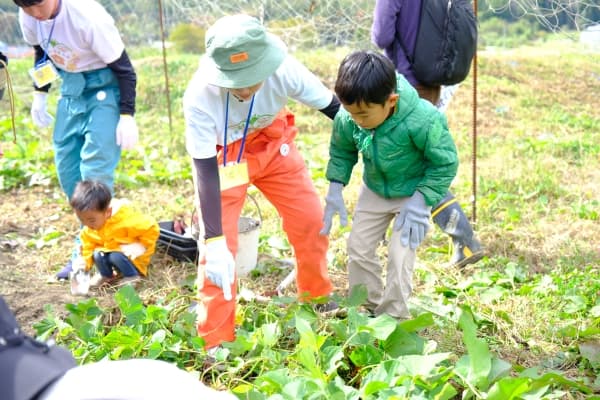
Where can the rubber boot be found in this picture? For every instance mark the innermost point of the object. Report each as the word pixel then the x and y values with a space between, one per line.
pixel 449 216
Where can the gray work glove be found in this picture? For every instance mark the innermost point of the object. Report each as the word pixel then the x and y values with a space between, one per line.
pixel 334 203
pixel 413 221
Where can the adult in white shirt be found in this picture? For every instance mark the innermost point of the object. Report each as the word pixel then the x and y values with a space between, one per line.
pixel 239 132
pixel 78 41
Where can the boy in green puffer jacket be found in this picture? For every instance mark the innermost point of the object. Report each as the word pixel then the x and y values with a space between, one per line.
pixel 409 162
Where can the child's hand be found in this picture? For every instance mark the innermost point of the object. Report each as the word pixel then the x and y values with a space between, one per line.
pixel 133 250
pixel 413 221
pixel 334 204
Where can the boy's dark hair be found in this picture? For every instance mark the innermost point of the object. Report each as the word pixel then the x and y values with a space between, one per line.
pixel 27 3
pixel 91 195
pixel 365 77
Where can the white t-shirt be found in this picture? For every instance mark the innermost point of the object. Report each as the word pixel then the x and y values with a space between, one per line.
pixel 204 106
pixel 84 37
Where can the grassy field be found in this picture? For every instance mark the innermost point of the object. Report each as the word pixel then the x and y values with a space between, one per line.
pixel 534 300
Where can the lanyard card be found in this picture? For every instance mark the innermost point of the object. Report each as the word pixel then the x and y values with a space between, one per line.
pixel 43 74
pixel 233 174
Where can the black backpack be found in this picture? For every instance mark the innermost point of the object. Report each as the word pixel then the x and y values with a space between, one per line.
pixel 446 42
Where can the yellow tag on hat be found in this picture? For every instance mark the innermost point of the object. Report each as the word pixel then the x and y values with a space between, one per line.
pixel 233 174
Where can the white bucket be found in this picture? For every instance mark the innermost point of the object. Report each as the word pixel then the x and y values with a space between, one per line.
pixel 246 258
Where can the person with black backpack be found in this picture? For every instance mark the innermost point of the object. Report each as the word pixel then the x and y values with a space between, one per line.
pixel 432 44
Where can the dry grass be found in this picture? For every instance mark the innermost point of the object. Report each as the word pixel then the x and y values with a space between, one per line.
pixel 538 169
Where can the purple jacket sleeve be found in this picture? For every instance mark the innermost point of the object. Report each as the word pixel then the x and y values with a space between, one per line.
pixel 383 32
pixel 395 26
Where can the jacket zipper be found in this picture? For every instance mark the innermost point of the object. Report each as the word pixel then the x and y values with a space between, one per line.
pixel 378 166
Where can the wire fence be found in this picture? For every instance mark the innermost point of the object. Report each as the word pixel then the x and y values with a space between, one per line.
pixel 304 23
pixel 301 23
pixel 553 15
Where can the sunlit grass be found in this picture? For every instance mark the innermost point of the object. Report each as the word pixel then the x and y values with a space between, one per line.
pixel 538 168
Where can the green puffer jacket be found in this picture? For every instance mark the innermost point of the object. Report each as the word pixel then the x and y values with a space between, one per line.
pixel 411 150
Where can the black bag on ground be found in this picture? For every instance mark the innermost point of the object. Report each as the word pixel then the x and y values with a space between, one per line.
pixel 27 366
pixel 446 42
pixel 176 245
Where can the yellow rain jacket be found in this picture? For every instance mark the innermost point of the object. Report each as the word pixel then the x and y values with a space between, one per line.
pixel 126 225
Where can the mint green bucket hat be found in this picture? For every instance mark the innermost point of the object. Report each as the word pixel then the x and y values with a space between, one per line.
pixel 240 52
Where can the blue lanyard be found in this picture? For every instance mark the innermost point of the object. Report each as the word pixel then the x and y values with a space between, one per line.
pixel 49 36
pixel 245 130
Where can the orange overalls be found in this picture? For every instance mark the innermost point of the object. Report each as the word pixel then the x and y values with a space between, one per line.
pixel 277 169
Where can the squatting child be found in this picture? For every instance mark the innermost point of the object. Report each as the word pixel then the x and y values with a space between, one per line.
pixel 116 237
pixel 409 162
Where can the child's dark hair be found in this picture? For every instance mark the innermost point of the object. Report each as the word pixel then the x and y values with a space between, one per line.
pixel 91 195
pixel 27 3
pixel 365 77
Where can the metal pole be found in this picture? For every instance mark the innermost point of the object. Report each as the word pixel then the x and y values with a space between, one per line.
pixel 474 146
pixel 166 70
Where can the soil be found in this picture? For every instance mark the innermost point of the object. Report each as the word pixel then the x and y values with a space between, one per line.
pixel 24 269
pixel 37 232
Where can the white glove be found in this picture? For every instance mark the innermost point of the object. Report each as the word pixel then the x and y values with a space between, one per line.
pixel 39 114
pixel 80 282
pixel 79 277
pixel 133 250
pixel 220 266
pixel 78 264
pixel 127 132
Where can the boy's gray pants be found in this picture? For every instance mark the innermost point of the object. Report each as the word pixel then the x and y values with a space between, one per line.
pixel 372 217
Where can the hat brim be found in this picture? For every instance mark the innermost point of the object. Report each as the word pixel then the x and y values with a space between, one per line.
pixel 249 76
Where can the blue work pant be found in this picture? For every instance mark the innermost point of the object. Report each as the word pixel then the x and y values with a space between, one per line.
pixel 84 138
pixel 107 261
